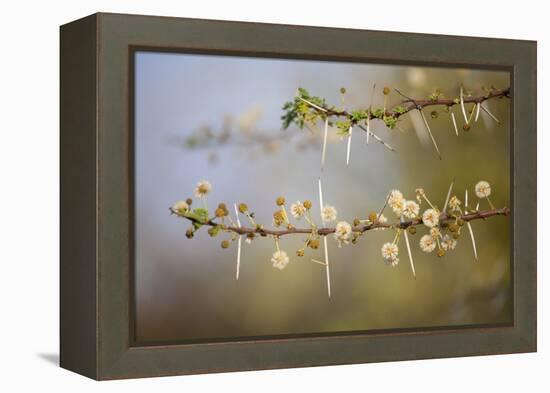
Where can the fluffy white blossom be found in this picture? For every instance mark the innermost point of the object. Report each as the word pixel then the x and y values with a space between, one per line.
pixel 203 188
pixel 297 210
pixel 427 243
pixel 430 218
pixel 328 213
pixel 454 203
pixel 180 207
pixel 410 209
pixel 483 189
pixel 396 202
pixel 448 243
pixel 342 233
pixel 390 251
pixel 280 260
pixel 382 219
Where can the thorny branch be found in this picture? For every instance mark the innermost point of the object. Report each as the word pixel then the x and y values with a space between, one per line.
pixel 444 220
pixel 307 109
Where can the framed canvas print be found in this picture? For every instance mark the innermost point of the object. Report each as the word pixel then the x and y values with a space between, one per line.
pixel 240 196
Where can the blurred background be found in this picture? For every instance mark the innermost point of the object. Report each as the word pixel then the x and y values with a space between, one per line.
pixel 218 118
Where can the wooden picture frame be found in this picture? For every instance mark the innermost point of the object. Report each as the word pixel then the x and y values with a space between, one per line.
pixel 97 194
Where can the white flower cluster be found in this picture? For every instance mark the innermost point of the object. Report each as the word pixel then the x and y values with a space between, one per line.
pixel 343 233
pixel 430 218
pixel 329 213
pixel 483 189
pixel 427 243
pixel 203 188
pixel 280 259
pixel 448 243
pixel 401 206
pixel 297 210
pixel 180 207
pixel 390 253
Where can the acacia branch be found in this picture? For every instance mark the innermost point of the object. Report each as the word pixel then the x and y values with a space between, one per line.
pixel 410 104
pixel 444 220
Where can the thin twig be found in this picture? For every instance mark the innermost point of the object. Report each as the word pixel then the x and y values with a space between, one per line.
pixel 444 220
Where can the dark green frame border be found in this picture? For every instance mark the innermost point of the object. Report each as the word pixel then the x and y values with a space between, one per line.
pixel 97 206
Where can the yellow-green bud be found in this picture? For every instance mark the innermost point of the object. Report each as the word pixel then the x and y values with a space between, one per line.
pixel 453 227
pixel 280 201
pixel 225 244
pixel 307 204
pixel 313 244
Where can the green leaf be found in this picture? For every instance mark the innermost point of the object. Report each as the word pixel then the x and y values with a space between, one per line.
pixel 390 121
pixel 399 109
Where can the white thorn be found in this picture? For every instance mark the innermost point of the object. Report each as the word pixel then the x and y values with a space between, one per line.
pixel 430 132
pixel 448 196
pixel 477 111
pixel 349 145
pixel 490 114
pixel 239 243
pixel 321 197
pixel 324 153
pixel 313 105
pixel 454 122
pixel 410 253
pixel 473 239
pixel 462 105
pixel 317 261
pixel 327 269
